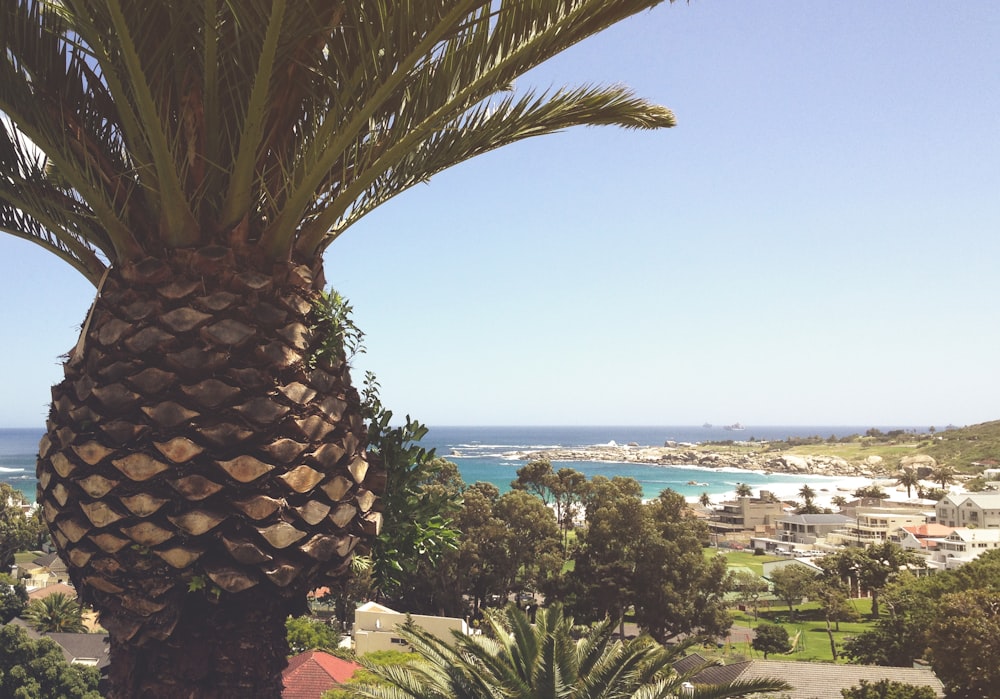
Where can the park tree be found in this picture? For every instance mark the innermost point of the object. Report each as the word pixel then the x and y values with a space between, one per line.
pixel 749 587
pixel 205 463
pixel 305 633
pixel 13 598
pixel 516 658
pixel 18 530
pixel 536 477
pixel 678 591
pixel 770 638
pixel 792 583
pixel 964 643
pixel 872 567
pixel 532 550
pixel 647 556
pixel 835 605
pixel 36 669
pixel 900 636
pixel 55 613
pixel 888 689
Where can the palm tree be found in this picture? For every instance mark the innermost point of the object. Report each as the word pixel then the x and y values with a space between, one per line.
pixel 705 499
pixel 205 462
pixel 743 490
pixel 943 475
pixel 908 478
pixel 518 660
pixel 839 501
pixel 57 613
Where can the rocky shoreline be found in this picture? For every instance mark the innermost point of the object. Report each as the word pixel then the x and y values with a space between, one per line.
pixel 681 455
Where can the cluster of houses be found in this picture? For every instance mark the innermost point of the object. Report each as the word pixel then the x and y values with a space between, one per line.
pixel 948 533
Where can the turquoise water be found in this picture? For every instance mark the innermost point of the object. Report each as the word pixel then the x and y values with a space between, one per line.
pixel 483 454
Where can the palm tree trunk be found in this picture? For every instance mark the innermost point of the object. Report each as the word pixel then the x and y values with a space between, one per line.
pixel 200 474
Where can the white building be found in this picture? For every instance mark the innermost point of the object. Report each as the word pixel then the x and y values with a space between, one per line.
pixel 964 545
pixel 980 510
pixel 376 627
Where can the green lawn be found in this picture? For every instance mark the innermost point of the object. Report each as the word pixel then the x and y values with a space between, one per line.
pixel 813 642
pixel 741 558
pixel 809 627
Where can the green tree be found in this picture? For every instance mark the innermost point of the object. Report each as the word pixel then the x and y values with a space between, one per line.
pixel 304 634
pixel 909 479
pixel 835 605
pixel 964 643
pixel 839 501
pixel 887 689
pixel 743 490
pixel 705 499
pixel 521 660
pixel 34 669
pixel 422 529
pixel 749 587
pixel 901 636
pixel 532 550
pixel 193 160
pixel 56 613
pixel 792 583
pixel 874 492
pixel 13 598
pixel 770 638
pixel 678 591
pixel 647 556
pixel 808 506
pixel 18 531
pixel 536 477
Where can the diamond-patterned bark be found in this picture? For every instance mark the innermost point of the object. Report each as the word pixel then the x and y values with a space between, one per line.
pixel 189 446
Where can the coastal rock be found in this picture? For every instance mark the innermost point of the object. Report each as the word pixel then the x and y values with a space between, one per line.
pixel 788 463
pixel 917 461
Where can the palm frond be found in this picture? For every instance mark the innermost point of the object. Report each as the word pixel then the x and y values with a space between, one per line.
pixel 268 125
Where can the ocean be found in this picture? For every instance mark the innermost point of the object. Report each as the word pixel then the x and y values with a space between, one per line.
pixel 484 454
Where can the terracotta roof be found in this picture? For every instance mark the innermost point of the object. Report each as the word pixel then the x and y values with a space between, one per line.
pixel 314 672
pixel 930 529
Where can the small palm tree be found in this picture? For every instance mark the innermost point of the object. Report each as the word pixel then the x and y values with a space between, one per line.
pixel 839 501
pixel 743 490
pixel 705 499
pixel 943 475
pixel 518 660
pixel 909 479
pixel 57 613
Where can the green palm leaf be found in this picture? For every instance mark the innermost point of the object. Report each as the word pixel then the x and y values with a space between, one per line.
pixel 267 126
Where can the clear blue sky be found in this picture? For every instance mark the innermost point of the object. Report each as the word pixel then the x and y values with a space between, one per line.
pixel 817 242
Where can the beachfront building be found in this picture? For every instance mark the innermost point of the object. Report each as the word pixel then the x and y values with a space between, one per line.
pixel 807 529
pixel 964 545
pixel 376 627
pixel 922 538
pixel 969 510
pixel 743 514
pixel 875 525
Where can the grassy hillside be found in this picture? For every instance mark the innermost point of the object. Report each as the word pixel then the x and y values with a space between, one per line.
pixel 960 447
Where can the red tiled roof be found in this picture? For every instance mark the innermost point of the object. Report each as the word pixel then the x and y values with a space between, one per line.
pixel 930 529
pixel 313 672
